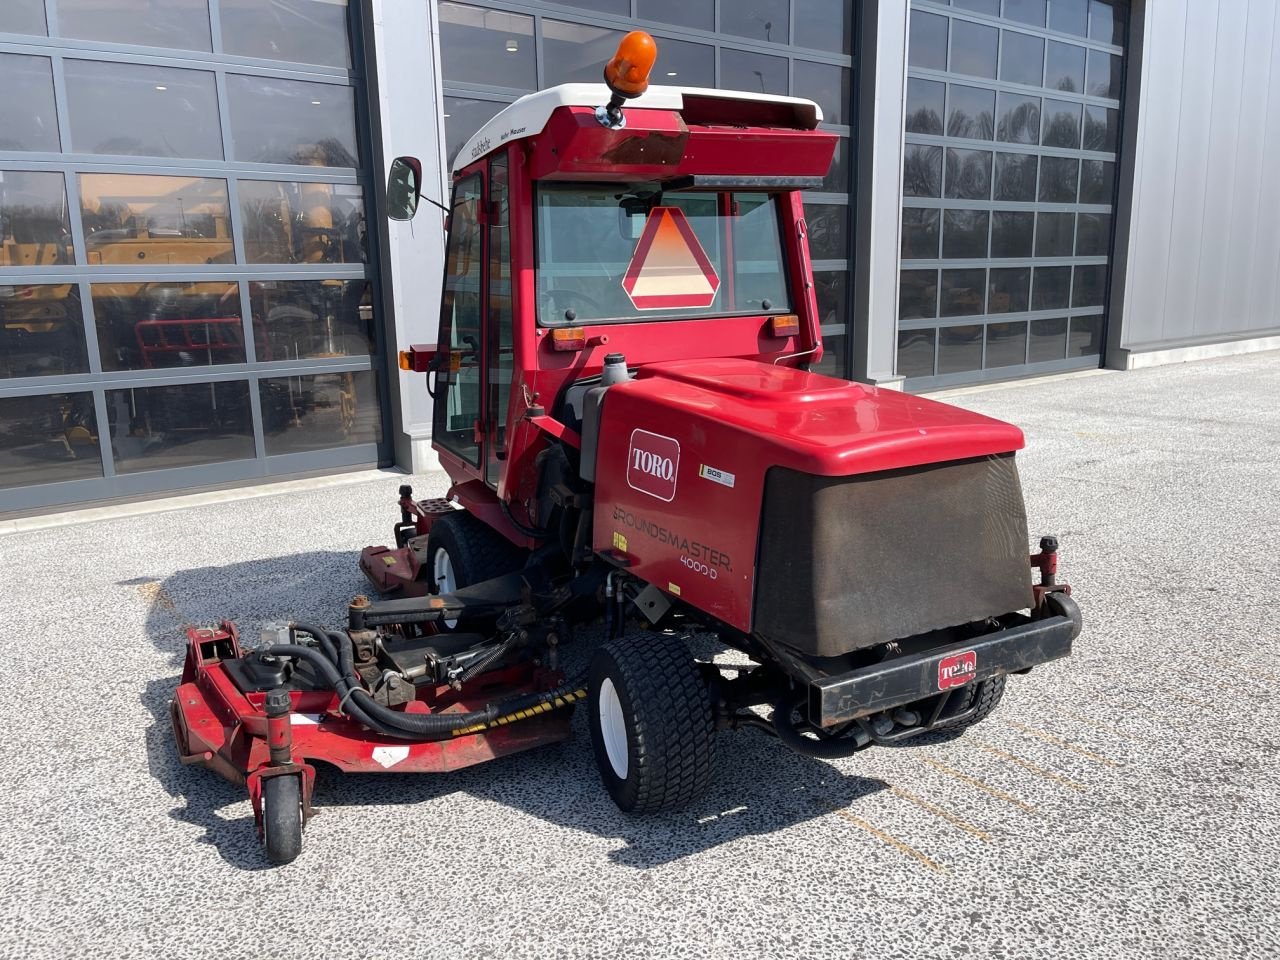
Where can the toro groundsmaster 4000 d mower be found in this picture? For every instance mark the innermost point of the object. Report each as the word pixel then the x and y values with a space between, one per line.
pixel 624 403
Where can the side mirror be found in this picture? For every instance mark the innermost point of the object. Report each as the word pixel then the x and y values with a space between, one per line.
pixel 404 188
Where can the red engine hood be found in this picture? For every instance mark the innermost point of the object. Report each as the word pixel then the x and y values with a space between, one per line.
pixel 820 425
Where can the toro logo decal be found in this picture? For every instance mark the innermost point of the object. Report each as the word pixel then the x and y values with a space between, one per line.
pixel 652 463
pixel 957 669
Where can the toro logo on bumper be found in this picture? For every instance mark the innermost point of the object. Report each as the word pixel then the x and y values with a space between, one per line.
pixel 652 463
pixel 957 669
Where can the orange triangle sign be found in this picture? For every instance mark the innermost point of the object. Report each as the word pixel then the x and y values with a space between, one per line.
pixel 669 269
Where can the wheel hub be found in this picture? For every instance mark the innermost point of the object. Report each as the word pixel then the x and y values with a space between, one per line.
pixel 613 728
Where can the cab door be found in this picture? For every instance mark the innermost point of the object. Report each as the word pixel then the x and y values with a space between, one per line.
pixel 499 339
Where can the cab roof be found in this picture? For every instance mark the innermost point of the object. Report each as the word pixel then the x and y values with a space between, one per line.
pixel 528 116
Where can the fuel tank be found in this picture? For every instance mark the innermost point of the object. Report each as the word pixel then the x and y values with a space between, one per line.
pixel 823 514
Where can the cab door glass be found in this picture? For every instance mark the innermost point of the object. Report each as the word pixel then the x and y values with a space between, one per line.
pixel 501 356
pixel 457 421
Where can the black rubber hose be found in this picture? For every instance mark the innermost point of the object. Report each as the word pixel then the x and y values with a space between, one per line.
pixel 832 749
pixel 330 674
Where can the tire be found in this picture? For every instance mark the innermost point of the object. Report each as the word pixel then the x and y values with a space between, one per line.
pixel 986 695
pixel 282 818
pixel 475 552
pixel 652 726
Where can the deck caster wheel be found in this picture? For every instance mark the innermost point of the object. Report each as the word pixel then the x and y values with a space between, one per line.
pixel 651 720
pixel 282 818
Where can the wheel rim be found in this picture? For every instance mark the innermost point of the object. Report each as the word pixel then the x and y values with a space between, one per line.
pixel 446 581
pixel 613 728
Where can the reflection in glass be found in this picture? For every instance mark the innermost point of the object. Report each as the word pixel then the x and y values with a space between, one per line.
pixel 1104 75
pixel 1100 128
pixel 964 234
pixel 1086 337
pixel 1016 176
pixel 1089 286
pixel 41 330
pixel 1097 181
pixel 927 46
pixel 34 228
pixel 917 294
pixel 28 120
pixel 822 24
pixel 837 178
pixel 1025 11
pixel 23 16
pixel 302 222
pixel 1048 340
pixel 1009 289
pixel 758 19
pixel 183 425
pixel 1106 21
pixel 1022 60
pixel 319 411
pixel 1006 344
pixel 300 31
pixel 990 7
pixel 577 52
pixel 462 118
pixel 924 106
pixel 832 289
pixel 1061 124
pixel 753 72
pixel 828 230
pixel 48 439
pixel 137 110
pixel 1055 233
pixel 959 349
pixel 684 64
pixel 832 363
pixel 619 8
pixel 311 319
pixel 919 233
pixel 1093 234
pixel 963 292
pixel 1011 233
pixel 973 49
pixel 150 325
pixel 971 113
pixel 824 83
pixel 1058 177
pixel 487 46
pixel 1018 118
pixel 921 171
pixel 292 121
pixel 915 352
pixel 144 220
pixel 1069 16
pixel 968 174
pixel 1064 67
pixel 699 14
pixel 1050 288
pixel 182 24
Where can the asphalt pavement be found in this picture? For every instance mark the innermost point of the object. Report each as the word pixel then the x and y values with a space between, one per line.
pixel 1122 803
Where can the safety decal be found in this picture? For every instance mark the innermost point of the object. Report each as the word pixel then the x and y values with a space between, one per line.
pixel 304 719
pixel 674 589
pixel 722 477
pixel 957 669
pixel 652 463
pixel 390 756
pixel 619 542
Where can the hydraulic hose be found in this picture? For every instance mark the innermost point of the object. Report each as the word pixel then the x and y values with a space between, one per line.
pixel 829 749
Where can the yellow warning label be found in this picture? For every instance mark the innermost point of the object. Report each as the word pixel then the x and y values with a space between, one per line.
pixel 389 561
pixel 619 542
pixel 673 588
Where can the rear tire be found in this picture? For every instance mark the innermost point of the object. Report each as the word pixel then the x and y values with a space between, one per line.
pixel 986 695
pixel 652 726
pixel 282 818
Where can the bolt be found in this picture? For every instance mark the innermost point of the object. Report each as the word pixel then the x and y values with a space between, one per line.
pixel 360 601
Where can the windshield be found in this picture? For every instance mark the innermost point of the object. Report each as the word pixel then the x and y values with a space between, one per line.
pixel 631 252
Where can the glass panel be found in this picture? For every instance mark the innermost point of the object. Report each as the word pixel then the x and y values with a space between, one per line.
pixel 1105 75
pixel 832 363
pixel 457 406
pixel 1058 177
pixel 826 84
pixel 959 349
pixel 971 113
pixel 973 49
pixel 1016 176
pixel 462 118
pixel 1097 181
pixel 917 294
pixel 143 220
pixel 828 231
pixel 185 425
pixel 915 352
pixel 293 121
pixel 300 31
pixel 302 222
pixel 1061 124
pixel 168 323
pixel 49 439
pixel 127 108
pixel 1089 288
pixel 837 178
pixel 753 72
pixel 1009 290
pixel 1025 11
pixel 757 19
pixel 823 24
pixel 23 16
pixel 919 233
pixel 1050 288
pixel 41 330
pixel 963 292
pixel 991 7
pixel 1006 344
pixel 28 120
pixel 1106 21
pixel 34 229
pixel 699 14
pixel 832 289
pixel 1064 67
pixel 1055 233
pixel 1018 118
pixel 319 411
pixel 1086 337
pixel 968 174
pixel 183 24
pixel 928 44
pixel 1011 233
pixel 1101 128
pixel 308 319
pixel 619 8
pixel 577 52
pixel 924 106
pixel 964 234
pixel 1093 234
pixel 1048 340
pixel 758 274
pixel 1022 60
pixel 487 46
pixel 686 64
pixel 1069 16
pixel 922 171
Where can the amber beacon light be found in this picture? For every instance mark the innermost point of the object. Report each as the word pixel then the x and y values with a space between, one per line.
pixel 627 75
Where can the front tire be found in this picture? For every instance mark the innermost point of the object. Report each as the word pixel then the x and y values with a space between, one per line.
pixel 282 818
pixel 462 551
pixel 652 725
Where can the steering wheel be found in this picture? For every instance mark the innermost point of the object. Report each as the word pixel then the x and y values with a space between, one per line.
pixel 559 294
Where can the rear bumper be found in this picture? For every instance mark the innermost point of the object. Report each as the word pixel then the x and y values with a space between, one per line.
pixel 882 686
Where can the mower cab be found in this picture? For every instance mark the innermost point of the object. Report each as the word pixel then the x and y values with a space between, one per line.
pixel 625 404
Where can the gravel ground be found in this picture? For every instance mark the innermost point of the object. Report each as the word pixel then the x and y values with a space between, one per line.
pixel 1119 804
